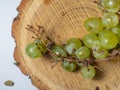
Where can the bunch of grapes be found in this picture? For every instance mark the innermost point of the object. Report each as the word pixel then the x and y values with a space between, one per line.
pixel 101 43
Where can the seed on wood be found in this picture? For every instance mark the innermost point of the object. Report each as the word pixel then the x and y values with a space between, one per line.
pixel 9 83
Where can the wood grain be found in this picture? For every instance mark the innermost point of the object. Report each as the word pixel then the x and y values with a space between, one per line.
pixel 62 19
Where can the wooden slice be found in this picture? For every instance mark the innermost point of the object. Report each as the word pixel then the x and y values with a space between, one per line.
pixel 62 19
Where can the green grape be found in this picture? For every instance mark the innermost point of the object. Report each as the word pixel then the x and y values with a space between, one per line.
pixel 108 40
pixel 59 51
pixel 80 64
pixel 119 40
pixel 72 45
pixel 69 66
pixel 91 41
pixel 88 72
pixel 40 46
pixel 111 5
pixel 82 53
pixel 116 30
pixel 101 53
pixel 33 51
pixel 100 5
pixel 110 20
pixel 93 24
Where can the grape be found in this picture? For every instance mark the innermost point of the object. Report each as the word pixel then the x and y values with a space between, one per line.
pixel 59 51
pixel 111 5
pixel 108 40
pixel 82 53
pixel 110 20
pixel 69 66
pixel 93 24
pixel 101 53
pixel 72 45
pixel 40 46
pixel 119 40
pixel 116 30
pixel 100 5
pixel 88 72
pixel 91 40
pixel 80 64
pixel 32 51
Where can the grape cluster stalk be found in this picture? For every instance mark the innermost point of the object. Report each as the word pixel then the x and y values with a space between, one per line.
pixel 102 43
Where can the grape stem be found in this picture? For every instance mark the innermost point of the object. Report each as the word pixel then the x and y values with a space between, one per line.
pixel 107 59
pixel 55 63
pixel 98 68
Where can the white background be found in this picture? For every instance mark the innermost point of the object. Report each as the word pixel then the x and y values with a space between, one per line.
pixel 8 71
